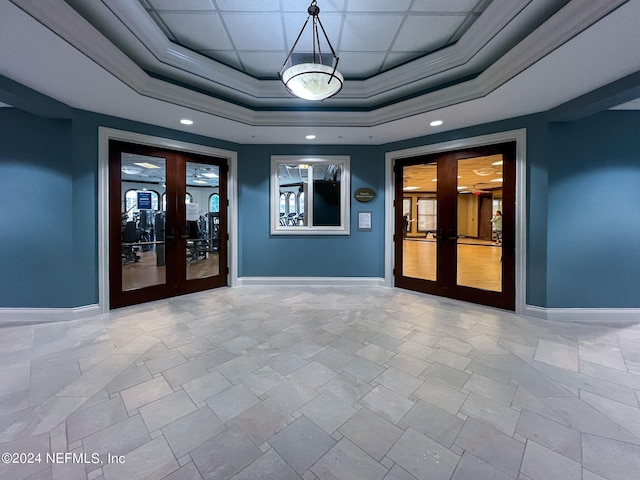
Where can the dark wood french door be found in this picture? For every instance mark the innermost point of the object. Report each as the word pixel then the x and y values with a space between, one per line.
pixel 455 224
pixel 167 223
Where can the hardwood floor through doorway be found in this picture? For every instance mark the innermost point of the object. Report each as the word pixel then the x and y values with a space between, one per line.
pixel 479 263
pixel 146 272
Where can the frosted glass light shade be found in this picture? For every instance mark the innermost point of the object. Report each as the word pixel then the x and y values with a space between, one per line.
pixel 312 81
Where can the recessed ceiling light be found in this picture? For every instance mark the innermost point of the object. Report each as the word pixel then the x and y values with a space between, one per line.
pixel 310 137
pixel 436 123
pixel 210 175
pixel 131 170
pixel 497 163
pixel 186 121
pixel 203 182
pixel 146 165
pixel 411 188
pixel 497 180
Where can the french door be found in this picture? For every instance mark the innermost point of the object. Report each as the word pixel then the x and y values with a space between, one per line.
pixel 167 223
pixel 455 224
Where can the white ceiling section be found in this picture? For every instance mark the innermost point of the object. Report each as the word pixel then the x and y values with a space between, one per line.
pixel 406 62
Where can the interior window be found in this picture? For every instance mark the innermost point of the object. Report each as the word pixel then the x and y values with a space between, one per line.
pixel 214 203
pixel 310 195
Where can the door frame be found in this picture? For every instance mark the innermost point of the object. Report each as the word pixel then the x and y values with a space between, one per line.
pixel 104 135
pixel 518 136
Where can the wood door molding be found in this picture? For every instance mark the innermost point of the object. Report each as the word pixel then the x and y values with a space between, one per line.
pixel 176 283
pixel 446 283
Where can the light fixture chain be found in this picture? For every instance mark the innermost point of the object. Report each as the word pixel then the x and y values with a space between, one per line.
pixel 333 52
pixel 316 41
pixel 295 43
pixel 312 80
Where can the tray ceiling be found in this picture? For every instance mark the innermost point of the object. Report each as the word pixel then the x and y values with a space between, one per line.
pixel 406 62
pixel 233 50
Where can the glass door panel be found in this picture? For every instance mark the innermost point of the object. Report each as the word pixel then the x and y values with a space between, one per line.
pixel 479 229
pixel 420 222
pixel 167 223
pixel 202 223
pixel 455 224
pixel 142 185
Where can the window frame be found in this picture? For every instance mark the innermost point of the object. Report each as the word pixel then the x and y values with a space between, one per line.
pixel 345 195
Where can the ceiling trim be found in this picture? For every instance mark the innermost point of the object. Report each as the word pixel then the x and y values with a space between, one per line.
pixel 613 96
pixel 65 22
pixel 159 54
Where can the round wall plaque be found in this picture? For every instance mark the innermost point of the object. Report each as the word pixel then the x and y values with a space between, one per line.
pixel 364 195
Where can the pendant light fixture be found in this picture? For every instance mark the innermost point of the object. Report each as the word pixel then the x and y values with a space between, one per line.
pixel 313 80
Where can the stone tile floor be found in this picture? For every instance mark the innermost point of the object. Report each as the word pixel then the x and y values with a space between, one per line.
pixel 281 383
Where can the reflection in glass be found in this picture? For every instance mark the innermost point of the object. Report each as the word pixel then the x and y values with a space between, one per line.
pixel 142 186
pixel 310 195
pixel 420 247
pixel 479 250
pixel 293 182
pixel 298 181
pixel 202 225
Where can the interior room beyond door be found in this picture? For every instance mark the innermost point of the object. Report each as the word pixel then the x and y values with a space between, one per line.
pixel 455 224
pixel 167 223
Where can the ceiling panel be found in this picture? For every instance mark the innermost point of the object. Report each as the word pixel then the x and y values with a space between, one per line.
pixel 478 173
pixel 394 59
pixel 360 65
pixel 202 31
pixel 293 22
pixel 247 5
pixel 379 5
pixel 448 5
pixel 227 57
pixel 302 5
pixel 426 33
pixel 265 31
pixel 257 63
pixel 369 33
pixel 374 29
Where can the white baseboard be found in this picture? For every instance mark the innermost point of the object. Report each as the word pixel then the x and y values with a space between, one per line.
pixel 308 281
pixel 24 316
pixel 593 316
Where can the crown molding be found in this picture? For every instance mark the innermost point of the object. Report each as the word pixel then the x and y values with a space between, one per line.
pixel 159 54
pixel 574 18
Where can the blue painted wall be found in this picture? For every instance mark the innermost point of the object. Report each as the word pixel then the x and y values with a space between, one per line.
pixel 36 213
pixel 360 254
pixel 594 212
pixel 583 226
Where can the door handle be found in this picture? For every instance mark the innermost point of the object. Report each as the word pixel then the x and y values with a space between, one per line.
pixel 439 235
pixel 170 235
pixel 452 235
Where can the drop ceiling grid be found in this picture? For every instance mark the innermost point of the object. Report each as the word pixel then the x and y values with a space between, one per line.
pixel 372 35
